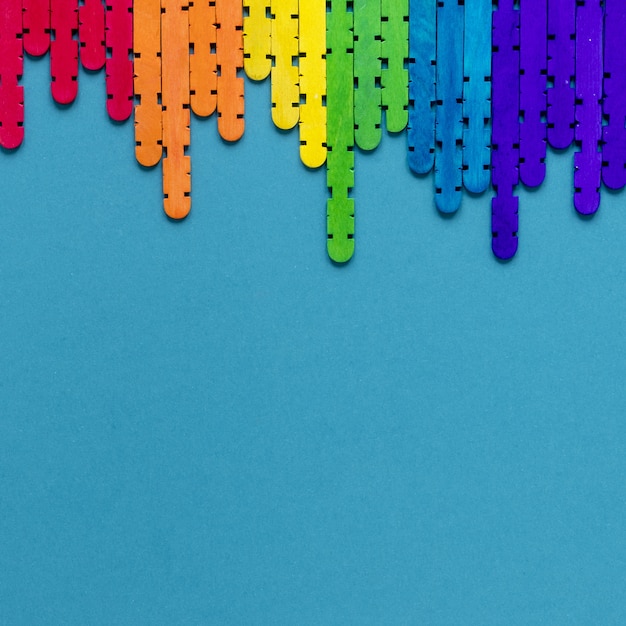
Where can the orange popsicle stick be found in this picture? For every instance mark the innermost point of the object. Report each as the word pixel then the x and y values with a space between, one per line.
pixel 175 99
pixel 202 60
pixel 230 107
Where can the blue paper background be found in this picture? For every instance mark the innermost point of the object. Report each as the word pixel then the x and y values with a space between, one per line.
pixel 207 422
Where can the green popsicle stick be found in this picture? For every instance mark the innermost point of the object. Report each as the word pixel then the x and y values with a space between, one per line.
pixel 395 53
pixel 340 130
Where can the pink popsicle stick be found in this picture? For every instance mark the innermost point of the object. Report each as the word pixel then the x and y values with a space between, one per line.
pixel 91 34
pixel 64 50
pixel 36 20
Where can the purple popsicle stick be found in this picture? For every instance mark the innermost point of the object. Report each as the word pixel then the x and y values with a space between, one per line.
pixel 561 68
pixel 588 133
pixel 505 129
pixel 533 86
pixel 614 102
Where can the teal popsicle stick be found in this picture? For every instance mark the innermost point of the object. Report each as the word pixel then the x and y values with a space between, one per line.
pixel 477 96
pixel 422 55
pixel 449 114
pixel 395 52
pixel 340 130
pixel 367 70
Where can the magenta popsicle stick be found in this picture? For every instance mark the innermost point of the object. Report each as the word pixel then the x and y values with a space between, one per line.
pixel 561 69
pixel 614 102
pixel 533 85
pixel 11 68
pixel 588 132
pixel 505 129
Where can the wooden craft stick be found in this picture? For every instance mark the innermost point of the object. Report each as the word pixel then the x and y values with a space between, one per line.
pixel 64 50
pixel 312 36
pixel 11 69
pixel 285 72
pixel 175 98
pixel 422 55
pixel 257 46
pixel 477 96
pixel 119 65
pixel 230 86
pixel 394 75
pixel 36 20
pixel 505 129
pixel 533 89
pixel 561 68
pixel 449 113
pixel 614 102
pixel 147 83
pixel 340 129
pixel 91 34
pixel 588 133
pixel 202 58
pixel 367 71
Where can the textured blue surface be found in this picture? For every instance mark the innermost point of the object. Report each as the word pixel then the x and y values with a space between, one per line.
pixel 209 423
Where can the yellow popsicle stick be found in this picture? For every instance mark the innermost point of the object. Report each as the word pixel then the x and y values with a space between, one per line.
pixel 312 35
pixel 285 72
pixel 175 98
pixel 257 32
pixel 202 60
pixel 147 83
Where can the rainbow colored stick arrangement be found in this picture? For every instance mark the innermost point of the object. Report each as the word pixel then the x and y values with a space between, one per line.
pixel 481 89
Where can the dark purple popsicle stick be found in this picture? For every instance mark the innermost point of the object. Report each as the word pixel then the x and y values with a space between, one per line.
pixel 588 133
pixel 614 103
pixel 533 85
pixel 505 129
pixel 561 68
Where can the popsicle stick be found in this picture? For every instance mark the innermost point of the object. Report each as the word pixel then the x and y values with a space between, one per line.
pixel 588 132
pixel 202 58
pixel 533 87
pixel 340 129
pixel 257 46
pixel 147 83
pixel 449 112
pixel 91 34
pixel 614 103
pixel 119 65
pixel 312 37
pixel 285 72
pixel 561 68
pixel 422 68
pixel 394 75
pixel 477 96
pixel 505 129
pixel 230 87
pixel 175 97
pixel 36 20
pixel 11 69
pixel 64 50
pixel 367 71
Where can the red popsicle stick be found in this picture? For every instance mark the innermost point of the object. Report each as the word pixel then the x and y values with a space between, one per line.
pixel 36 20
pixel 64 50
pixel 11 67
pixel 91 34
pixel 119 65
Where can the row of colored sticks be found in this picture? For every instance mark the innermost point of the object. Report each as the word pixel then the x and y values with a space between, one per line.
pixel 481 88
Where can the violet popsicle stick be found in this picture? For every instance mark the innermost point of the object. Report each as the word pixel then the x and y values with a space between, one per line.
pixel 422 54
pixel 505 128
pixel 477 96
pixel 588 133
pixel 614 102
pixel 561 68
pixel 533 86
pixel 449 113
